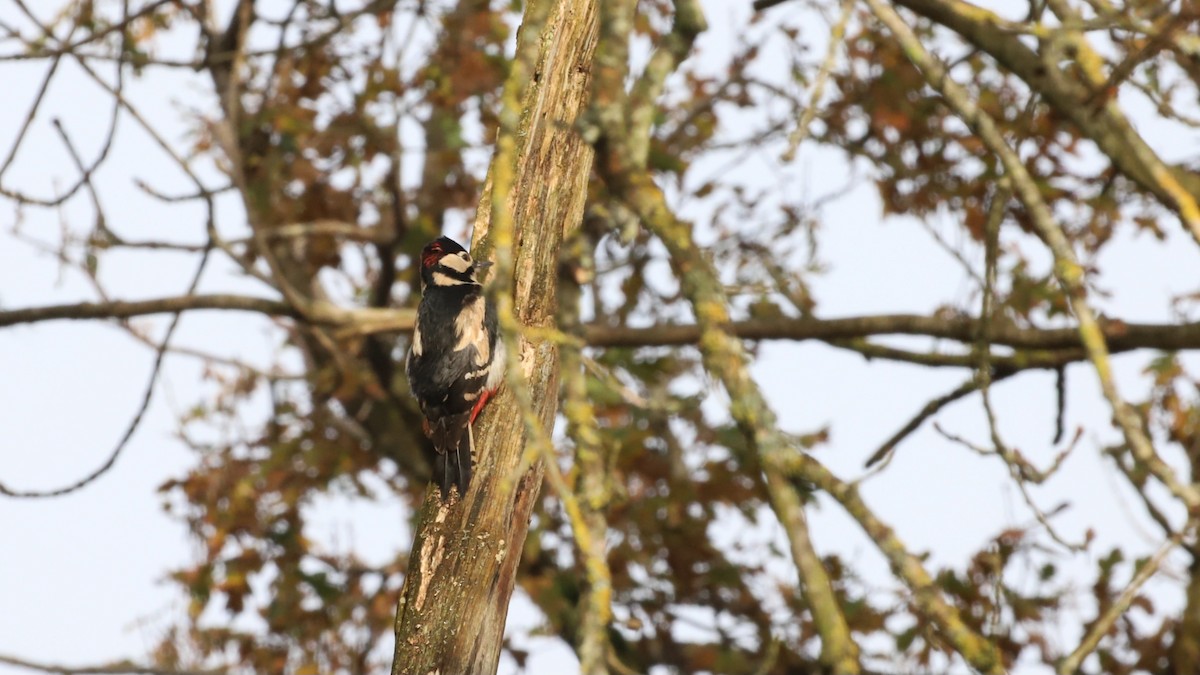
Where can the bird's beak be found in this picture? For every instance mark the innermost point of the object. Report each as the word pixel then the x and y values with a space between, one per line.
pixel 481 265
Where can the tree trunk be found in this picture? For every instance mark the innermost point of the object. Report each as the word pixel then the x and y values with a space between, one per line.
pixel 464 559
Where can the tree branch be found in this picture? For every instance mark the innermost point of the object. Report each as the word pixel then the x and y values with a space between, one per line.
pixel 1121 336
pixel 119 668
pixel 973 647
pixel 1067 270
pixel 131 428
pixel 1041 347
pixel 127 309
pixel 928 410
pixel 1088 644
pixel 593 458
pixel 622 164
pixel 1105 125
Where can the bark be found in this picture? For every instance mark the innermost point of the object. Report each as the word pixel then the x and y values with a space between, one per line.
pixel 1185 650
pixel 464 559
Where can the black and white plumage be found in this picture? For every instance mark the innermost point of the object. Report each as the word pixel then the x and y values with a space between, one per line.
pixel 456 359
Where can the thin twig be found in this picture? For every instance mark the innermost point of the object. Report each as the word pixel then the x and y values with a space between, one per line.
pixel 1071 664
pixel 1022 473
pixel 836 35
pixel 33 109
pixel 928 410
pixel 110 134
pixel 131 428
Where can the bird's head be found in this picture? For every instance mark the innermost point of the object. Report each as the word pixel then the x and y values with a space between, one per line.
pixel 445 263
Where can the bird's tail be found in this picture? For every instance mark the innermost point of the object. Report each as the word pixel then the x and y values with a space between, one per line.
pixel 452 439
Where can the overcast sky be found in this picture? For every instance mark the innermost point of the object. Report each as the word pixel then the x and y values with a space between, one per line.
pixel 82 577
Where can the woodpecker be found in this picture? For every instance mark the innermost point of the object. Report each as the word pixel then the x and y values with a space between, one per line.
pixel 456 359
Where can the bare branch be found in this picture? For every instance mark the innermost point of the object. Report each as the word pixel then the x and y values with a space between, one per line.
pixel 760 5
pixel 72 48
pixel 131 428
pixel 119 668
pixel 110 134
pixel 126 309
pixel 1022 473
pixel 1170 186
pixel 1048 348
pixel 1120 335
pixel 29 117
pixel 929 410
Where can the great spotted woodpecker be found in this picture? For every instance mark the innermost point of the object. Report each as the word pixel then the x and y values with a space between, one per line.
pixel 456 359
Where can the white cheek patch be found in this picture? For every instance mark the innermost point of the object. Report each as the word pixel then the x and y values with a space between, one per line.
pixel 443 279
pixel 468 325
pixel 456 262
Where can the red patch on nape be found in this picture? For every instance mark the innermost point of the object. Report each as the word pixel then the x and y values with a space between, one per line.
pixel 431 255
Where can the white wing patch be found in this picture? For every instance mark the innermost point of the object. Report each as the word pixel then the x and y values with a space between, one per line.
pixel 417 347
pixel 468 325
pixel 492 373
pixel 496 371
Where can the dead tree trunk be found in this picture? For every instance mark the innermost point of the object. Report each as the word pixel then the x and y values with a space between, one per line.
pixel 464 559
